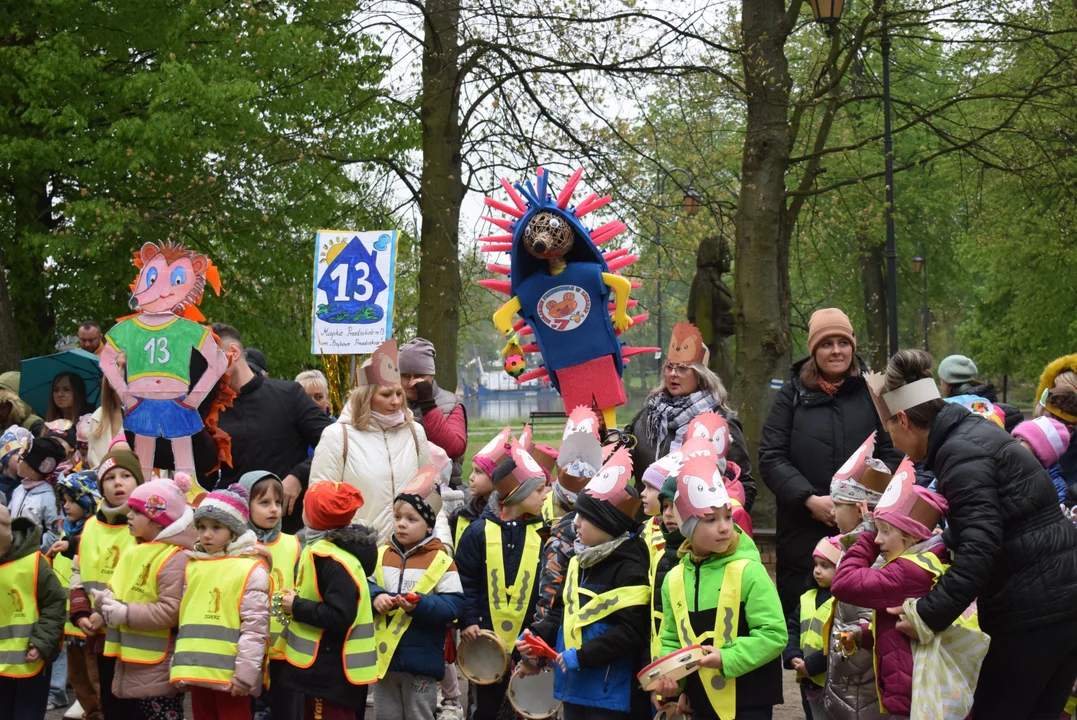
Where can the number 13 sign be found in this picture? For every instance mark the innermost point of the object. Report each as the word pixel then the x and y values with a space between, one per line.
pixel 353 291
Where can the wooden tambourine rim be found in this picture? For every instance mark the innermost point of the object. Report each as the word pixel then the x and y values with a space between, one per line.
pixel 694 651
pixel 512 700
pixel 504 659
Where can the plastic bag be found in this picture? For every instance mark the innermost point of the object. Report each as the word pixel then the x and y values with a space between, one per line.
pixel 945 666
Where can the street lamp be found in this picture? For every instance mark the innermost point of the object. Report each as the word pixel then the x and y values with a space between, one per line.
pixel 691 202
pixel 828 13
pixel 919 266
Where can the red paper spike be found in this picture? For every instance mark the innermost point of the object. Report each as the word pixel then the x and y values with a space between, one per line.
pixel 623 262
pixel 612 305
pixel 499 286
pixel 503 224
pixel 513 195
pixel 518 325
pixel 532 375
pixel 507 209
pixel 636 285
pixel 627 352
pixel 590 205
pixel 526 331
pixel 568 189
pixel 636 320
pixel 590 198
pixel 495 239
pixel 605 232
pixel 529 348
pixel 614 254
pixel 499 269
pixel 504 247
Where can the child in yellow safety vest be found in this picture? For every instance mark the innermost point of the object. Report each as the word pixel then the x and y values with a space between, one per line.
pixel 913 561
pixel 329 642
pixel 140 607
pixel 104 538
pixel 599 620
pixel 720 596
pixel 79 496
pixel 266 493
pixel 224 616
pixel 416 593
pixel 805 652
pixel 498 559
pixel 31 619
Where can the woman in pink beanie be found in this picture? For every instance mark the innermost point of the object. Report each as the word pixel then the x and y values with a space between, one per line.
pixel 1047 439
pixel 141 605
pixel 914 558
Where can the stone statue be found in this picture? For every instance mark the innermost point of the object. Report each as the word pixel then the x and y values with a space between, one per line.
pixel 710 304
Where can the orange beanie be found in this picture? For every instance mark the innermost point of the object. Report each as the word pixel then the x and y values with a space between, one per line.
pixel 331 505
pixel 828 322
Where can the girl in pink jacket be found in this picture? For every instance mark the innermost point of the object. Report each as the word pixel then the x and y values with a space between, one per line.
pixel 912 560
pixel 224 618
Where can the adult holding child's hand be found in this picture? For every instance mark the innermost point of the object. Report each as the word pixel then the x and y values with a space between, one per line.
pixel 1013 550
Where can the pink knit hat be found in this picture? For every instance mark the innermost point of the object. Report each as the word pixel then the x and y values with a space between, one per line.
pixel 909 507
pixel 1048 438
pixel 163 501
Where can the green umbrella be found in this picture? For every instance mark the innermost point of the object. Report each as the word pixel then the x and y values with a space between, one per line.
pixel 35 385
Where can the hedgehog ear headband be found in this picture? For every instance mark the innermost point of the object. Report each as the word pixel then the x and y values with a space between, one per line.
pixel 889 404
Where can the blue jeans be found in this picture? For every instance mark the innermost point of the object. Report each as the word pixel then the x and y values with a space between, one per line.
pixel 58 683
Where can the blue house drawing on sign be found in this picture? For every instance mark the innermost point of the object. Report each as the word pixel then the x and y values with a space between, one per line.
pixel 351 284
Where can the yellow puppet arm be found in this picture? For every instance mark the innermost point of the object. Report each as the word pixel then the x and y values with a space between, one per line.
pixel 503 316
pixel 622 287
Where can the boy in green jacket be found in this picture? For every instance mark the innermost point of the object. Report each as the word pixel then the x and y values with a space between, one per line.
pixel 32 611
pixel 720 596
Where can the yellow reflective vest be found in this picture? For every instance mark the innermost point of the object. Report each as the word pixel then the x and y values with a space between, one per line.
pixel 721 692
pixel 461 525
pixel 390 627
pixel 812 621
pixel 62 567
pixel 301 641
pixel 285 553
pixel 18 615
pixel 209 619
pixel 551 509
pixel 598 607
pixel 508 603
pixel 656 547
pixel 135 581
pixel 100 548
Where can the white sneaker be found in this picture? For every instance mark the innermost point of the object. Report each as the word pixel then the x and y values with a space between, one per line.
pixel 75 712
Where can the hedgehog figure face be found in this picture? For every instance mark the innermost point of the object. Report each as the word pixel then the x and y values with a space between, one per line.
pixel 548 236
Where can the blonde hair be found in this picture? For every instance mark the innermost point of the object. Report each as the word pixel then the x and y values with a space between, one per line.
pixel 110 410
pixel 709 382
pixel 312 377
pixel 359 405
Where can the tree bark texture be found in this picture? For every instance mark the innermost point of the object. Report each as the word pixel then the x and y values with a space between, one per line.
pixel 874 284
pixel 441 187
pixel 760 273
pixel 10 355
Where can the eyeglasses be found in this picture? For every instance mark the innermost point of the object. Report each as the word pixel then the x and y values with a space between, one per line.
pixel 670 368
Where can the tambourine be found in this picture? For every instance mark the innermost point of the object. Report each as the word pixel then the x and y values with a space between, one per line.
pixel 277 610
pixel 675 666
pixel 532 695
pixel 483 660
pixel 670 713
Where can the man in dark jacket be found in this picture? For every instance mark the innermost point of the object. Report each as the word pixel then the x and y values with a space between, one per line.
pixel 808 436
pixel 1015 553
pixel 447 427
pixel 272 424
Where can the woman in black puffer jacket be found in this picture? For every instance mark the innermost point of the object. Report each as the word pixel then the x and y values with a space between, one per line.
pixel 1013 550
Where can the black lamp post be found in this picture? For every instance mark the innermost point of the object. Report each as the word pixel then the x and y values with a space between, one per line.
pixel 691 203
pixel 919 266
pixel 828 12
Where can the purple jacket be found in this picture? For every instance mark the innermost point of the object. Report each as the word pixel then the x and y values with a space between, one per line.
pixel 858 583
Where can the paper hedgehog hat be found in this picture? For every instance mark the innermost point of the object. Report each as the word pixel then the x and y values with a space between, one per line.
pixel 686 346
pixel 579 460
pixel 710 426
pixel 582 419
pixel 888 404
pixel 495 451
pixel 545 456
pixel 526 438
pixel 526 468
pixel 611 484
pixel 383 367
pixel 700 489
pixel 425 485
pixel 662 468
pixel 861 467
pixel 904 506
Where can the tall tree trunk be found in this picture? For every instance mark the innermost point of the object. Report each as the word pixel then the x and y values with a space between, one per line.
pixel 25 304
pixel 761 270
pixel 441 187
pixel 10 355
pixel 874 284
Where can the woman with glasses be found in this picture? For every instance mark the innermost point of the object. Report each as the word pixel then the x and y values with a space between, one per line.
pixel 820 416
pixel 688 388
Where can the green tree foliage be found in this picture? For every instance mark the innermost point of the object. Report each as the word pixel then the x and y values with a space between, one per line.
pixel 233 127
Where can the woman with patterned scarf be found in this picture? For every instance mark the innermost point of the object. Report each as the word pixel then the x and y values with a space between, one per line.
pixel 688 388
